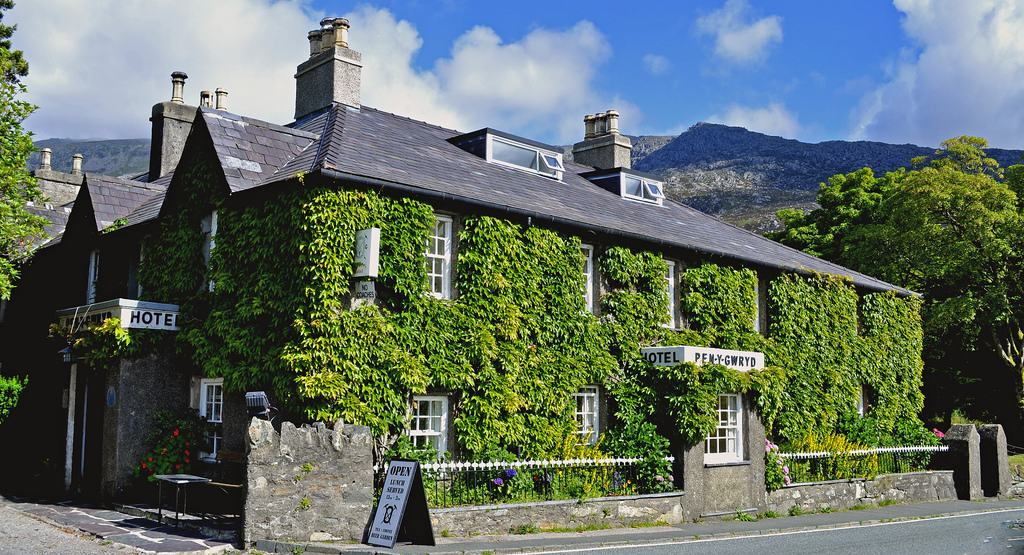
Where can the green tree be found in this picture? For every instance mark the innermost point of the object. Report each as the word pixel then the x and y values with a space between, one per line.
pixel 17 187
pixel 952 230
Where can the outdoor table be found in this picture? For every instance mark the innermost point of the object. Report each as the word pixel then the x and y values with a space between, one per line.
pixel 180 481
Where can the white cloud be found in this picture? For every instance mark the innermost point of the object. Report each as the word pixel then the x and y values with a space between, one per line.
pixel 739 38
pixel 967 77
pixel 97 70
pixel 656 64
pixel 772 120
pixel 540 85
pixel 100 75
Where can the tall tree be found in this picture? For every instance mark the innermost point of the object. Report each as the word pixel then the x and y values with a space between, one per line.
pixel 17 187
pixel 952 230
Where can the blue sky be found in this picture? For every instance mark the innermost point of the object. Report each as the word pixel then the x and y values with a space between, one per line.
pixel 901 71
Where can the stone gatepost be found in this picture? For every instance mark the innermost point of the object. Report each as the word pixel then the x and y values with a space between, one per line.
pixel 308 484
pixel 995 464
pixel 964 459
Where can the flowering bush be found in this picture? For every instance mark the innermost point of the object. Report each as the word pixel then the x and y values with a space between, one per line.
pixel 776 472
pixel 502 486
pixel 938 433
pixel 176 444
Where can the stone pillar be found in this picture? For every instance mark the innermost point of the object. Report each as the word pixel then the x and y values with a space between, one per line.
pixel 964 459
pixel 76 164
pixel 995 464
pixel 308 484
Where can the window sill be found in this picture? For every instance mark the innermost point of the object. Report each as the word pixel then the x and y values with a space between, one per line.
pixel 726 463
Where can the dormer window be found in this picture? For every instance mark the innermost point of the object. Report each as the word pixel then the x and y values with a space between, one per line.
pixel 516 152
pixel 630 184
pixel 642 189
pixel 524 156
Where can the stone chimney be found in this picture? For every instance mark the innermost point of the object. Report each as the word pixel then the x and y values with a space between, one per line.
pixel 76 164
pixel 602 146
pixel 44 159
pixel 332 72
pixel 172 122
pixel 206 99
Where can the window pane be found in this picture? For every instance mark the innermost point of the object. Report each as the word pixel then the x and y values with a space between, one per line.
pixel 512 154
pixel 633 186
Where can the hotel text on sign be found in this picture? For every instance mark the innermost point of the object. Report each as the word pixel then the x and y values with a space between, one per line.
pixel 671 356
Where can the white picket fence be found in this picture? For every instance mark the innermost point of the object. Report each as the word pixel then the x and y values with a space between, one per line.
pixel 873 451
pixel 477 466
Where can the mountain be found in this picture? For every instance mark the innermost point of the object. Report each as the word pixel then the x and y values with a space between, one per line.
pixel 745 177
pixel 740 176
pixel 117 157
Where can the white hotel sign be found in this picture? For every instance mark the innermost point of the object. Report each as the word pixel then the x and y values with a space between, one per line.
pixel 671 356
pixel 133 314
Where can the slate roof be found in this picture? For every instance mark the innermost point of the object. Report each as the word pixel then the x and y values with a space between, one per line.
pixel 251 151
pixel 385 149
pixel 113 198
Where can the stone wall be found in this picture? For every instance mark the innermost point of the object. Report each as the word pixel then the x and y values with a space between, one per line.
pixel 308 484
pixel 912 487
pixel 547 515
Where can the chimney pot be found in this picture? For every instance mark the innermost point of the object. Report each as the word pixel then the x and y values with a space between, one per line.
pixel 206 99
pixel 613 121
pixel 76 164
pixel 340 25
pixel 222 96
pixel 178 87
pixel 44 162
pixel 600 124
pixel 314 42
pixel 588 127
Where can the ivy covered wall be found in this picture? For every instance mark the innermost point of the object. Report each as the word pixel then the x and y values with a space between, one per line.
pixel 517 341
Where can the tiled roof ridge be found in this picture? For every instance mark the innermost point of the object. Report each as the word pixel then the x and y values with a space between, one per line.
pixel 247 120
pixel 112 180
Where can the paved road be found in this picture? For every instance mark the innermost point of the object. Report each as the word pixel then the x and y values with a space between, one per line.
pixel 23 534
pixel 989 532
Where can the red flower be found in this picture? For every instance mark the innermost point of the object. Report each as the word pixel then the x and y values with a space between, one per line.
pixel 151 459
pixel 186 452
pixel 175 432
pixel 143 465
pixel 177 466
pixel 186 444
pixel 186 461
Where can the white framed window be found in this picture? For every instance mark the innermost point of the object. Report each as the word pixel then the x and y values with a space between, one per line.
pixel 439 258
pixel 209 227
pixel 670 277
pixel 725 444
pixel 645 190
pixel 93 278
pixel 428 425
pixel 587 417
pixel 588 276
pixel 523 156
pixel 211 409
